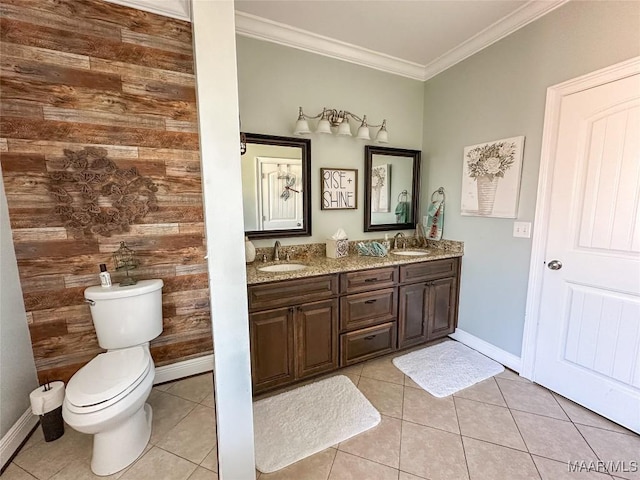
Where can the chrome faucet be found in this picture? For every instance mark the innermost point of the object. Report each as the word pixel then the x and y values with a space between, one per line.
pixel 395 240
pixel 276 251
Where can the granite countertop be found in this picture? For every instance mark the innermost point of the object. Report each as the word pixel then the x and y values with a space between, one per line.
pixel 321 265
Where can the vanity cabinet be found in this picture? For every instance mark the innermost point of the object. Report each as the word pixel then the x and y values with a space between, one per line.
pixel 307 326
pixel 428 301
pixel 298 339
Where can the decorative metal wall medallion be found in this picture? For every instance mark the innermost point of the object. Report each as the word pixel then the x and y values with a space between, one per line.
pixel 94 196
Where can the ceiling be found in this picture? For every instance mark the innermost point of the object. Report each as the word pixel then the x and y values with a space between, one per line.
pixel 413 38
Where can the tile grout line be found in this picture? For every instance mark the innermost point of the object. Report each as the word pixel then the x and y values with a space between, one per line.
pixel 515 423
pixel 496 444
pixel 533 413
pixel 22 469
pixel 519 432
pixel 556 395
pixel 629 433
pixel 404 386
pixel 333 461
pixel 464 450
pixel 360 456
pixel 580 432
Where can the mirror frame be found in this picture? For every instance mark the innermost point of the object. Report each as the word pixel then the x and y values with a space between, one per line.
pixel 414 156
pixel 305 145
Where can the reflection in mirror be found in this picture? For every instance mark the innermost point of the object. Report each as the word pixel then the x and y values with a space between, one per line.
pixel 392 183
pixel 276 186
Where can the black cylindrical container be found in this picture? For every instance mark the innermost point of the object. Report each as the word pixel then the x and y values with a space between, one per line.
pixel 52 424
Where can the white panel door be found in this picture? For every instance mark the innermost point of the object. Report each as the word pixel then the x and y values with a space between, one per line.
pixel 588 345
pixel 281 193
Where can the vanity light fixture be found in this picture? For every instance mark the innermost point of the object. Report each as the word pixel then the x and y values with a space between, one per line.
pixel 339 119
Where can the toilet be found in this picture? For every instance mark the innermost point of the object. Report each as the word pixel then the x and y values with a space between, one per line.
pixel 107 397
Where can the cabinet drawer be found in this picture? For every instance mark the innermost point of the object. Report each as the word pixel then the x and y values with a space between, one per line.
pixel 364 280
pixel 292 292
pixel 367 343
pixel 365 309
pixel 418 272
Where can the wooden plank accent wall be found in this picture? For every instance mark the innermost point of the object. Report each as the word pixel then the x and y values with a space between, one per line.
pixel 79 73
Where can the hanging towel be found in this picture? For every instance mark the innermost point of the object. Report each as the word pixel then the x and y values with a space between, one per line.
pixel 402 212
pixel 435 215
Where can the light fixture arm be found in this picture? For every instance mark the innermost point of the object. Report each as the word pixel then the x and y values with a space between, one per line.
pixel 335 116
pixel 332 117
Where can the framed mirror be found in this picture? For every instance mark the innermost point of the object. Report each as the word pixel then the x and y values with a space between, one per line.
pixel 276 186
pixel 391 188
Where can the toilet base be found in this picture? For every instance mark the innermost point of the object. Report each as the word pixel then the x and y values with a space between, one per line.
pixel 118 448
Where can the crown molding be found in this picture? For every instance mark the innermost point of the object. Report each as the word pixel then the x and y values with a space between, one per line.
pixel 262 29
pixel 526 14
pixel 180 9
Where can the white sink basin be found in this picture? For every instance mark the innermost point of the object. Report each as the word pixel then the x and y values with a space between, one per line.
pixel 283 267
pixel 410 253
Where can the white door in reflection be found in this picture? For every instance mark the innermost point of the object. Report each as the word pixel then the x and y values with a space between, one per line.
pixel 281 193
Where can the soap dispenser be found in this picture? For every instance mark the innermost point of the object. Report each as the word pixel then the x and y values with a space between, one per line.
pixel 249 250
pixel 386 243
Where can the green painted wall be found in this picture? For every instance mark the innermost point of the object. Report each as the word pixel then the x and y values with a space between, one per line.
pixel 274 81
pixel 498 93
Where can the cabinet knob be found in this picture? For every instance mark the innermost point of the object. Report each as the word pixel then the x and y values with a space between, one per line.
pixel 370 337
pixel 367 280
pixel 370 301
pixel 291 309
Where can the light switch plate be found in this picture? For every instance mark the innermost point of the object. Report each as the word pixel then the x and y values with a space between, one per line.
pixel 522 229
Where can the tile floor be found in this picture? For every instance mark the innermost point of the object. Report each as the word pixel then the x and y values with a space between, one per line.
pixel 503 428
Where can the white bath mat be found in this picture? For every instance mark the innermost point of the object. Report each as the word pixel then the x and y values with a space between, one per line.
pixel 447 367
pixel 298 423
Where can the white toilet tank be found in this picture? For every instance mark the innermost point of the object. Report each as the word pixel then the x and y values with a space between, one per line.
pixel 126 316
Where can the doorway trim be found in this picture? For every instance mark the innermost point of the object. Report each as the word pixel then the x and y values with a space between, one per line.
pixel 555 94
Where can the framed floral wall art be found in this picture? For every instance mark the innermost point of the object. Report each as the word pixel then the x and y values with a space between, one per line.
pixel 380 188
pixel 491 178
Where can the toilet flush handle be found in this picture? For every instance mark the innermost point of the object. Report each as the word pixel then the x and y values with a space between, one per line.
pixel 89 301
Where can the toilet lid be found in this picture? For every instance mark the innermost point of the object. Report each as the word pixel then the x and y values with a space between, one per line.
pixel 107 376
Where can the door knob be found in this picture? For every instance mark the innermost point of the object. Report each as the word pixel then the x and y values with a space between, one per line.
pixel 554 265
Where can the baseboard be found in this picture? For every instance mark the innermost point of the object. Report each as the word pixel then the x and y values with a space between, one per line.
pixel 501 356
pixel 186 368
pixel 17 434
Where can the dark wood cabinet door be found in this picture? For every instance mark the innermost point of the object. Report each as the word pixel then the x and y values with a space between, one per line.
pixel 272 353
pixel 413 314
pixel 442 303
pixel 316 331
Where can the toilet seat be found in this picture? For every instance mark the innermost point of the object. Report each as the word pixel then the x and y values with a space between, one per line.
pixel 107 378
